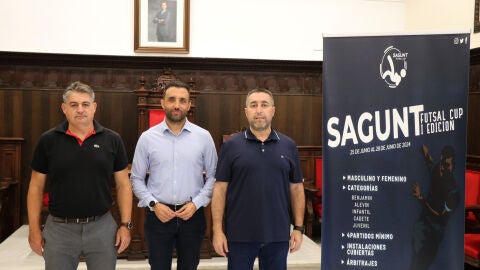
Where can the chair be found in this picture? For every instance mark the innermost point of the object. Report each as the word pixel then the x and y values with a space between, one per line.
pixel 225 137
pixel 472 249
pixel 472 218
pixel 155 117
pixel 313 211
pixel 472 201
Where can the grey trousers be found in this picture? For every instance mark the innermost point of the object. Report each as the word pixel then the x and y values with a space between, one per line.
pixel 65 242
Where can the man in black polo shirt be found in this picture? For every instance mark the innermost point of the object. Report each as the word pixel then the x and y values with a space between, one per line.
pixel 79 157
pixel 258 184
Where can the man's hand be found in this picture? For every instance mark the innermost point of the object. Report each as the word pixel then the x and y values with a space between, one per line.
pixel 187 211
pixel 295 240
pixel 163 212
pixel 123 239
pixel 35 239
pixel 219 242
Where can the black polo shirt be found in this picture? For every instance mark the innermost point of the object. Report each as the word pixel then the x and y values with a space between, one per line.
pixel 259 174
pixel 79 177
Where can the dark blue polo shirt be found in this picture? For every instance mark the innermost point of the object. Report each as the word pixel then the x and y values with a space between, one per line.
pixel 79 177
pixel 259 174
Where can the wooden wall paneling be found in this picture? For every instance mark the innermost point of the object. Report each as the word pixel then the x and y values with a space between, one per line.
pixel 211 114
pixel 17 118
pixel 4 114
pixel 315 137
pixel 223 83
pixel 288 116
pixel 473 126
pixel 117 111
pixel 283 112
pixel 38 115
pixel 10 185
pixel 55 114
pixel 473 129
pixel 307 155
pixel 6 127
pixel 35 115
pixel 299 117
pixel 17 113
pixel 208 107
pixel 33 126
pixel 224 114
pixel 299 111
pixel 127 121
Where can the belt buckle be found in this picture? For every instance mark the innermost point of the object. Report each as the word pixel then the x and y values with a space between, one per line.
pixel 83 220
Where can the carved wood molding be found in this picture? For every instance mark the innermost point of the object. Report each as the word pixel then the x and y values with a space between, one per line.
pixel 122 73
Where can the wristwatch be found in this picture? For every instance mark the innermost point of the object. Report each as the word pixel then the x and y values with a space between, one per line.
pixel 151 205
pixel 299 228
pixel 129 225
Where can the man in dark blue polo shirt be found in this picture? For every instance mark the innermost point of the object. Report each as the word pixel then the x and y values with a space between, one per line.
pixel 258 184
pixel 79 158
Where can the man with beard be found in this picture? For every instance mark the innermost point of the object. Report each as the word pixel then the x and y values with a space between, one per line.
pixel 438 207
pixel 175 152
pixel 259 185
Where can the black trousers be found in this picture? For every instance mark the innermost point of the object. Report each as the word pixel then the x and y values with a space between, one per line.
pixel 185 236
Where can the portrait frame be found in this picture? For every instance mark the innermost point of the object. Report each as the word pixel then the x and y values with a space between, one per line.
pixel 476 20
pixel 156 32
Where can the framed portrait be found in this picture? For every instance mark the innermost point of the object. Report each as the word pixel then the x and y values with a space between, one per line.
pixel 476 21
pixel 162 26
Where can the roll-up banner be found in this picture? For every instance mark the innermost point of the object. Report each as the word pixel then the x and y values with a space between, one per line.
pixel 394 145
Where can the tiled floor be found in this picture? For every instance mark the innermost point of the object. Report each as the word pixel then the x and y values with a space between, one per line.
pixel 16 254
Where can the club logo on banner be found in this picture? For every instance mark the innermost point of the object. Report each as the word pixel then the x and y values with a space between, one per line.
pixel 394 148
pixel 393 66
